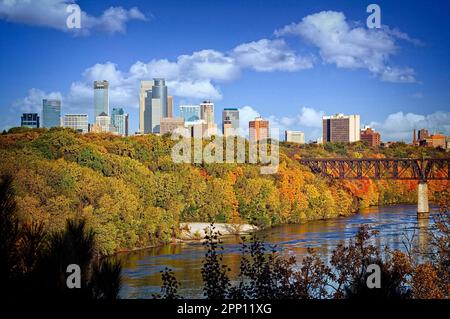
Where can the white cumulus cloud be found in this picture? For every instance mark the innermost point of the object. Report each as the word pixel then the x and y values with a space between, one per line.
pixel 399 126
pixel 53 14
pixel 349 46
pixel 310 117
pixel 270 55
pixel 246 114
pixel 33 101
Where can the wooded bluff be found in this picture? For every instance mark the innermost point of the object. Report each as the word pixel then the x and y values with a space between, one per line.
pixel 133 195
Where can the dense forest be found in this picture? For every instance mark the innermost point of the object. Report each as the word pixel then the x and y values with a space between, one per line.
pixel 131 193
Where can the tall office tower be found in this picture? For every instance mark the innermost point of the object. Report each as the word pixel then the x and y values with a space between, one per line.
pixel 207 116
pixel 51 113
pixel 101 97
pixel 294 137
pixel 119 119
pixel 78 122
pixel 145 86
pixel 258 129
pixel 370 137
pixel 341 128
pixel 170 124
pixel 30 120
pixel 232 115
pixel 207 111
pixel 190 113
pixel 169 106
pixel 156 106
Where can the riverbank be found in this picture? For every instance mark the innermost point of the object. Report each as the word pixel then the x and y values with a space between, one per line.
pixel 198 231
pixel 142 275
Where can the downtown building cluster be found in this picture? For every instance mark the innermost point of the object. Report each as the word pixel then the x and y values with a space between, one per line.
pixel 156 116
pixel 114 121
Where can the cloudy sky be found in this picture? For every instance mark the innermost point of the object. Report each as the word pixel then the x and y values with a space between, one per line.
pixel 288 61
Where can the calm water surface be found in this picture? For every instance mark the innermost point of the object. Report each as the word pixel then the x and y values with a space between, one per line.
pixel 141 269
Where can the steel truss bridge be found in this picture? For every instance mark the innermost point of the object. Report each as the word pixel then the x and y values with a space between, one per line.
pixel 422 170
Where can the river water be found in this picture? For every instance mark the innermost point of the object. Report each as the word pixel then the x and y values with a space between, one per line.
pixel 397 225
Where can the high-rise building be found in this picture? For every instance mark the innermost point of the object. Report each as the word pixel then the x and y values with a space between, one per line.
pixel 207 111
pixel 78 122
pixel 157 105
pixel 170 124
pixel 207 116
pixel 101 97
pixel 231 116
pixel 169 106
pixel 190 113
pixel 119 119
pixel 370 137
pixel 145 86
pixel 258 129
pixel 30 120
pixel 51 113
pixel 341 128
pixel 294 137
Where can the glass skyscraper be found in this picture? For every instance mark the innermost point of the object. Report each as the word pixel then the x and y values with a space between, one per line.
pixel 146 86
pixel 156 106
pixel 51 113
pixel 101 97
pixel 146 91
pixel 120 121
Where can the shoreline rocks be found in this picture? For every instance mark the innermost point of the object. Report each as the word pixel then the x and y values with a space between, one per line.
pixel 197 231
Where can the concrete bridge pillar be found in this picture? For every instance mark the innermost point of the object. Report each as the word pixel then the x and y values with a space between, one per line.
pixel 422 200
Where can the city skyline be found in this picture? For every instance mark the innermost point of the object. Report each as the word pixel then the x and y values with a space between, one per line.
pixel 276 69
pixel 335 128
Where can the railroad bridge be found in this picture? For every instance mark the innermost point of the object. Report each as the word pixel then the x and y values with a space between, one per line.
pixel 421 170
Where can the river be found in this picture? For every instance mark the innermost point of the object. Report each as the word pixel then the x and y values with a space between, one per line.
pixel 141 269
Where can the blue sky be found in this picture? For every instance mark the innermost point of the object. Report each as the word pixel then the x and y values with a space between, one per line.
pixel 289 61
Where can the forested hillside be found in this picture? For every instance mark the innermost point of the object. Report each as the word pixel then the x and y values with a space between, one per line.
pixel 133 195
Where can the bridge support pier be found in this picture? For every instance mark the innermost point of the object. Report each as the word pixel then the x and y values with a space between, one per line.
pixel 422 200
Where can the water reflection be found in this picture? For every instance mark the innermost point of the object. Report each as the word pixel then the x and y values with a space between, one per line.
pixel 423 227
pixel 398 227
